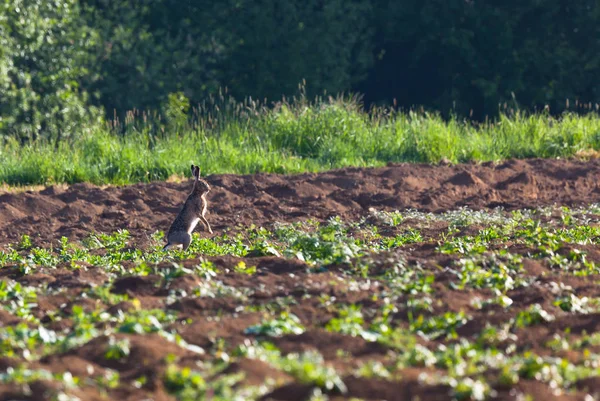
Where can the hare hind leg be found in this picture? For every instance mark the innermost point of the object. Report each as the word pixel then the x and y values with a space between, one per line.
pixel 179 238
pixel 187 241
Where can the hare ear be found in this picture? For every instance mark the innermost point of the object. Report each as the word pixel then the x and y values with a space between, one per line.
pixel 193 170
pixel 196 172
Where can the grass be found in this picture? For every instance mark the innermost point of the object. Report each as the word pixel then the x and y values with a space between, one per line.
pixel 296 136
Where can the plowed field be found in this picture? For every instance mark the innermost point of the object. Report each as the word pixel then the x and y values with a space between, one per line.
pixel 408 282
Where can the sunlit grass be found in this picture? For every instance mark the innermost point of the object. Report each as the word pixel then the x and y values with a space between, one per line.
pixel 292 137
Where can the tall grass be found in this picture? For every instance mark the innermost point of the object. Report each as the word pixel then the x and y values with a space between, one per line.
pixel 293 136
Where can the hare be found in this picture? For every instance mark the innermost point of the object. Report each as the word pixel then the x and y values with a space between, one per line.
pixel 193 211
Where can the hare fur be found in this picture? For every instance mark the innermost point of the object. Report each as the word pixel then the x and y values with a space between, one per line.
pixel 193 211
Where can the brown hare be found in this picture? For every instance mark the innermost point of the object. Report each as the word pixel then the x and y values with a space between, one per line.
pixel 193 211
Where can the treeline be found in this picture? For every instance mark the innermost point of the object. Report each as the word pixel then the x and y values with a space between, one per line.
pixel 65 63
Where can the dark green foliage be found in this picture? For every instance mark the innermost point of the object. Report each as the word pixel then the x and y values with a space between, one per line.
pixel 457 56
pixel 467 55
pixel 149 49
pixel 279 44
pixel 43 59
pixel 259 49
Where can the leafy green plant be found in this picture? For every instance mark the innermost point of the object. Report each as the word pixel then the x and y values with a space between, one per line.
pixel 575 304
pixel 111 379
pixel 350 321
pixel 286 323
pixel 17 299
pixel 187 384
pixel 535 314
pixel 500 271
pixel 25 242
pixel 146 321
pixel 117 349
pixel 436 326
pixel 410 237
pixel 242 268
pixel 308 367
pixel 114 241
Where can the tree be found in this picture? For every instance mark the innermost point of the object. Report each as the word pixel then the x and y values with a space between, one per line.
pixel 43 59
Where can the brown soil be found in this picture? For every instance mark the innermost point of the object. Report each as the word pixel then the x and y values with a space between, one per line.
pixel 263 199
